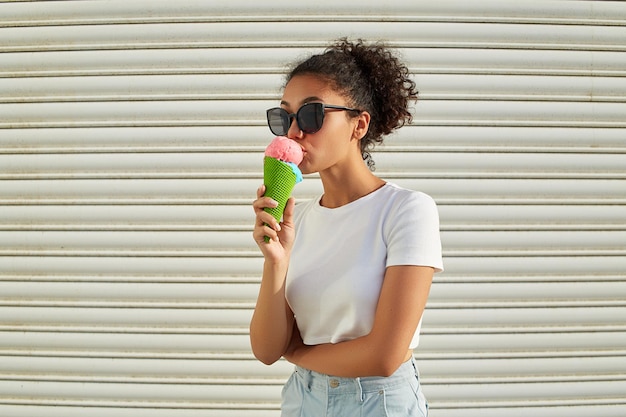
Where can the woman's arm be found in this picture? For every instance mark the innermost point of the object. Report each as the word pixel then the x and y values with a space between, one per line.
pixel 380 353
pixel 272 321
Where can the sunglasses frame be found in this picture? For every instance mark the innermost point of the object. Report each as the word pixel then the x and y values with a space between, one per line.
pixel 297 116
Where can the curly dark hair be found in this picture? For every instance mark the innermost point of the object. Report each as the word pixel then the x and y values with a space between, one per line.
pixel 372 79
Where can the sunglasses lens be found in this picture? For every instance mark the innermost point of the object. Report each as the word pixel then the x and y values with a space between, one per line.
pixel 278 121
pixel 310 117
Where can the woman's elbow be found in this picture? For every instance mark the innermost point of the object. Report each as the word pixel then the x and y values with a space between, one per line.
pixel 266 359
pixel 265 354
pixel 267 347
pixel 387 364
pixel 386 367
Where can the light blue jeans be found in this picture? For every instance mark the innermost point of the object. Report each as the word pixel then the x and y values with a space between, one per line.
pixel 311 394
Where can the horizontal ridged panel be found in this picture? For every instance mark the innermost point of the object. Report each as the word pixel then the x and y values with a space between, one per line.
pixel 453 10
pixel 243 60
pixel 236 313
pixel 224 139
pixel 275 34
pixel 437 344
pixel 55 265
pixel 218 113
pixel 589 290
pixel 141 242
pixel 241 392
pixel 229 190
pixel 238 217
pixel 414 164
pixel 130 148
pixel 151 368
pixel 233 86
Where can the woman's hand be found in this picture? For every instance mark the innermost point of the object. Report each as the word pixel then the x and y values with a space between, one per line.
pixel 281 235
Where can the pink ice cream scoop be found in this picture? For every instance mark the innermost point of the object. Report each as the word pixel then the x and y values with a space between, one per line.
pixel 284 149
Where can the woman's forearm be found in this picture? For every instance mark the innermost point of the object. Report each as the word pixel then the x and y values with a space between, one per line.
pixel 272 321
pixel 359 357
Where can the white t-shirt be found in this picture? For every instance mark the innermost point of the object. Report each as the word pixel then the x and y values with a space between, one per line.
pixel 340 255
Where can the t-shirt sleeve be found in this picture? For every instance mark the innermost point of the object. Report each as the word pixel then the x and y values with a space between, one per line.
pixel 412 233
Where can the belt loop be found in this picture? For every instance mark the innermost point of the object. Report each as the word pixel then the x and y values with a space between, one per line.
pixel 306 377
pixel 417 372
pixel 309 380
pixel 358 382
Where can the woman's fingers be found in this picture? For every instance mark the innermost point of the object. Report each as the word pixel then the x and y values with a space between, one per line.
pixel 266 224
pixel 263 202
pixel 261 215
pixel 262 231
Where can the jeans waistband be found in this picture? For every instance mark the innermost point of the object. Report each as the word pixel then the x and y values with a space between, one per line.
pixel 339 385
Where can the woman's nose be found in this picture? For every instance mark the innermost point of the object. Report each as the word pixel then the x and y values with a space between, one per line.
pixel 294 131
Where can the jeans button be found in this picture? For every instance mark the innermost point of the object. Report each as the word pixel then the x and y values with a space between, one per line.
pixel 334 383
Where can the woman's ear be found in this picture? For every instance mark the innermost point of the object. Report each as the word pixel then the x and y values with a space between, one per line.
pixel 362 125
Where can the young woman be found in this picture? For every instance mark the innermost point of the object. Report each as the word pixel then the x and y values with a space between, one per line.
pixel 347 275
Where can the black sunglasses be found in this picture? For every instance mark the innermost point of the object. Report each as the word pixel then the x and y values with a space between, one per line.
pixel 309 117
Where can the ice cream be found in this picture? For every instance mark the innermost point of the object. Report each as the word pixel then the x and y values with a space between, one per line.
pixel 281 172
pixel 285 149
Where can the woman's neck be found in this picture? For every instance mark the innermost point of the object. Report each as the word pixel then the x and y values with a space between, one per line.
pixel 345 186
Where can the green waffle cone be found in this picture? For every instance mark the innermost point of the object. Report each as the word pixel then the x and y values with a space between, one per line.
pixel 279 181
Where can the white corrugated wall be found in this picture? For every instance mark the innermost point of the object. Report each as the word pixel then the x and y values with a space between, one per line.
pixel 131 139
